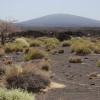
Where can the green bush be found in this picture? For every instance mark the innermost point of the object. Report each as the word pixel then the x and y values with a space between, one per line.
pixel 13 47
pixel 98 63
pixel 27 57
pixel 16 94
pixel 9 47
pixel 65 43
pixel 53 40
pixel 82 45
pixel 50 46
pixel 46 40
pixel 35 43
pixel 22 42
pixel 43 39
pixel 80 48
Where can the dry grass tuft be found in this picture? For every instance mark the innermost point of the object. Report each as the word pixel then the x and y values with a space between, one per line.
pixel 65 43
pixel 45 65
pixel 34 54
pixel 75 59
pixel 2 52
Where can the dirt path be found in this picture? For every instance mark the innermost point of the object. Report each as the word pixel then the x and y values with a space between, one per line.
pixel 75 77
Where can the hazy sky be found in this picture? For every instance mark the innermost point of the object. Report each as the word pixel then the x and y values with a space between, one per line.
pixel 29 9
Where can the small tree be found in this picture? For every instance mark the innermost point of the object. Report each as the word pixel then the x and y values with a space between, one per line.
pixel 6 27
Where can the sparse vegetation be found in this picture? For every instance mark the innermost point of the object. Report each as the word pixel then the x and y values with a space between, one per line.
pixel 30 63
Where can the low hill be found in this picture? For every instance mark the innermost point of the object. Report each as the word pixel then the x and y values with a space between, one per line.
pixel 61 20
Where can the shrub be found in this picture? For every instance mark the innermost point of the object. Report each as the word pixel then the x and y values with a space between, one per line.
pixel 13 47
pixel 53 40
pixel 97 43
pixel 34 54
pixel 46 40
pixel 50 46
pixel 16 94
pixel 18 48
pixel 65 43
pixel 27 78
pixel 98 63
pixel 82 45
pixel 35 43
pixel 13 70
pixel 30 81
pixel 9 47
pixel 27 57
pixel 43 39
pixel 26 50
pixel 75 59
pixel 22 42
pixel 97 50
pixel 80 48
pixel 2 70
pixel 45 66
pixel 2 52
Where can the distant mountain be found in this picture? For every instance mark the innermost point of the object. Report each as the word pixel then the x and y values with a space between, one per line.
pixel 61 20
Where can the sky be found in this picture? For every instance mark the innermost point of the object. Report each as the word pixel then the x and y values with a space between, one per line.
pixel 22 10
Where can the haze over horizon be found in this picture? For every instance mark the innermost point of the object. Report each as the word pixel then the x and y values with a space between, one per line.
pixel 22 10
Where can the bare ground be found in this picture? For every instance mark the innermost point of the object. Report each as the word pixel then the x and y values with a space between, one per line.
pixel 74 78
pixel 79 86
